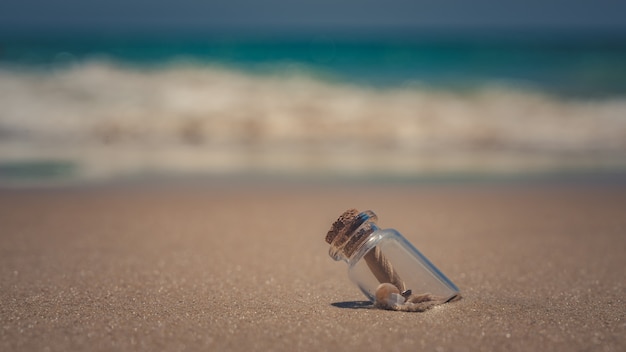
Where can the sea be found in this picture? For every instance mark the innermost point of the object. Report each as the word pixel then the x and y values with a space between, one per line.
pixel 88 108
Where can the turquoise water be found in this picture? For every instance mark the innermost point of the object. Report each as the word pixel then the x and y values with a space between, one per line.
pixel 569 66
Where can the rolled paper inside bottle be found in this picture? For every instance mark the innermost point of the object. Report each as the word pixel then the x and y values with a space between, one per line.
pixel 382 269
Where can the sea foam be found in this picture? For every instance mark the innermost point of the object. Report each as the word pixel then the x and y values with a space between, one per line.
pixel 112 120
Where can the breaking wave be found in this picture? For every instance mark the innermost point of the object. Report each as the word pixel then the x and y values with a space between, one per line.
pixel 110 120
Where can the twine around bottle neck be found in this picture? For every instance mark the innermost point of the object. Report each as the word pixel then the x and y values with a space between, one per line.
pixel 349 232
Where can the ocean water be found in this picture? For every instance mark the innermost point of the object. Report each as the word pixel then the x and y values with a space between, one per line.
pixel 80 108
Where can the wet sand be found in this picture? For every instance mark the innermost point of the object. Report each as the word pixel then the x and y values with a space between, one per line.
pixel 245 267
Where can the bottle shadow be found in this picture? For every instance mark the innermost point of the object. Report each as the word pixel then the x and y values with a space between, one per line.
pixel 353 304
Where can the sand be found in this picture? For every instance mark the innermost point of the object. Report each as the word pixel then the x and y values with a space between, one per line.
pixel 218 267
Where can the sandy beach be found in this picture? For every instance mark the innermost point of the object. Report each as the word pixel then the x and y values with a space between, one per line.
pixel 244 266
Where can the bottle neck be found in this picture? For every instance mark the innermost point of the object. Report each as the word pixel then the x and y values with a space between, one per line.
pixel 350 232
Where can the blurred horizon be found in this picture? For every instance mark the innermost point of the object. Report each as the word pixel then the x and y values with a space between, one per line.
pixel 281 17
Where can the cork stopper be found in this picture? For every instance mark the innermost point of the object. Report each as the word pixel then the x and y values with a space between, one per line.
pixel 345 220
pixel 349 231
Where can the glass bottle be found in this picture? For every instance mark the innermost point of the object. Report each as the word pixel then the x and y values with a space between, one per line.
pixel 387 268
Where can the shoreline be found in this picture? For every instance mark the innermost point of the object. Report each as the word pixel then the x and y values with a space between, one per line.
pixel 581 177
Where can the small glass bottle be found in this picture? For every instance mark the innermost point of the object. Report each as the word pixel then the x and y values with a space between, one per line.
pixel 387 268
